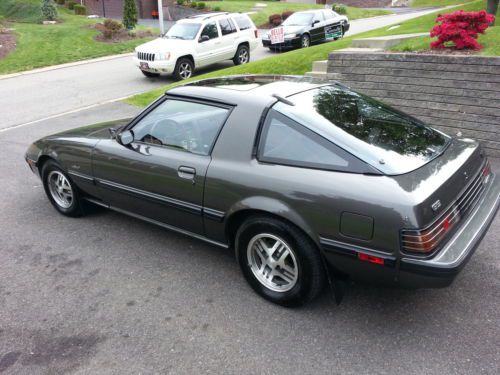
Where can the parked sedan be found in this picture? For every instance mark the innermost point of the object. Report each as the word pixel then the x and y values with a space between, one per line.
pixel 302 29
pixel 306 180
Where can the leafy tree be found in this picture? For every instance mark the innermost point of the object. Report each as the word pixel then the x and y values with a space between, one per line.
pixel 492 8
pixel 49 10
pixel 129 14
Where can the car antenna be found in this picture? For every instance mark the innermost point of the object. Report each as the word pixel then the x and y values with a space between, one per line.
pixel 283 100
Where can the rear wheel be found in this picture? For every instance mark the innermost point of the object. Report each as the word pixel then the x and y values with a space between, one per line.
pixel 149 74
pixel 183 69
pixel 61 191
pixel 279 262
pixel 242 55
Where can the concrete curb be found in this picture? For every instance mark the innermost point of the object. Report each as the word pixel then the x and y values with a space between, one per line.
pixel 67 65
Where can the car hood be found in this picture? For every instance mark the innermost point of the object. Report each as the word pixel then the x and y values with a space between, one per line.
pixel 161 45
pixel 96 131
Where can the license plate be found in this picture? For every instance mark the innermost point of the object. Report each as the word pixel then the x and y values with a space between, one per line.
pixel 144 65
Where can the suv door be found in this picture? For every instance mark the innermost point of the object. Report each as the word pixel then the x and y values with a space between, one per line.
pixel 229 38
pixel 161 174
pixel 208 50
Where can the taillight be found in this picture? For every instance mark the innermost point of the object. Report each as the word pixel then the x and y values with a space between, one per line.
pixel 256 32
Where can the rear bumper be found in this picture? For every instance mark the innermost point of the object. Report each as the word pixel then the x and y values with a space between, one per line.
pixel 441 270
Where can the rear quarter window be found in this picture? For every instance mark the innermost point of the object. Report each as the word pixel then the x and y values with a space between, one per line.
pixel 243 22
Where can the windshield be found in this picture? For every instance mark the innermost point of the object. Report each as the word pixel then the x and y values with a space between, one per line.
pixel 387 139
pixel 299 19
pixel 185 31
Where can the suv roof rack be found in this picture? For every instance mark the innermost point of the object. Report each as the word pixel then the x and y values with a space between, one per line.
pixel 207 16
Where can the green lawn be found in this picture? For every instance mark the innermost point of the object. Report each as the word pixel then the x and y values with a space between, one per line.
pixel 300 61
pixel 44 45
pixel 432 3
pixel 273 7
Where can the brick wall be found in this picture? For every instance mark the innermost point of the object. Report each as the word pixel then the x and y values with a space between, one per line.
pixel 114 8
pixel 452 93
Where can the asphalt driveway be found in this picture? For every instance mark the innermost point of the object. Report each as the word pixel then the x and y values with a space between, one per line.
pixel 107 294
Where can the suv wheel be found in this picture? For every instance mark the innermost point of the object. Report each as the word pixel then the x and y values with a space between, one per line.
pixel 149 74
pixel 242 55
pixel 183 69
pixel 279 262
pixel 60 190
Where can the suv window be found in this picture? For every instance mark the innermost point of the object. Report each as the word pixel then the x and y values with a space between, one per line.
pixel 287 142
pixel 184 125
pixel 210 30
pixel 227 26
pixel 243 22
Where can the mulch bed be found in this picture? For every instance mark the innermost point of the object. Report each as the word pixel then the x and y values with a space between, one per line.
pixel 7 42
pixel 120 36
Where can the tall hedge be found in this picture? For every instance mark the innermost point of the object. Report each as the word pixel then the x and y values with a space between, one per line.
pixel 129 14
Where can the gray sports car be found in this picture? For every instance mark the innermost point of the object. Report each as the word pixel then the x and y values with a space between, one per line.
pixel 307 180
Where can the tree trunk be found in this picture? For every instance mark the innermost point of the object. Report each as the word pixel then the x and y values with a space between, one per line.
pixel 492 8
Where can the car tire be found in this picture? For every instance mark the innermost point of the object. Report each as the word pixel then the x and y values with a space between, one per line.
pixel 184 69
pixel 305 41
pixel 61 191
pixel 294 276
pixel 242 55
pixel 149 74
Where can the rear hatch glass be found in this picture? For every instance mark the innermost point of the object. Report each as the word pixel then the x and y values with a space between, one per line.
pixel 389 140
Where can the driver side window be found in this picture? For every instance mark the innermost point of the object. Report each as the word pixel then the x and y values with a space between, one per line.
pixel 184 125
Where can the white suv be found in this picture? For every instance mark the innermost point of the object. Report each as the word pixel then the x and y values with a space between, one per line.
pixel 198 41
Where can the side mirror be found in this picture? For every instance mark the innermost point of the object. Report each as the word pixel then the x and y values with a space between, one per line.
pixel 204 38
pixel 125 138
pixel 315 22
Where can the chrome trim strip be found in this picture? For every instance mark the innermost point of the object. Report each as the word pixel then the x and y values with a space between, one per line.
pixel 81 175
pixel 212 214
pixel 191 207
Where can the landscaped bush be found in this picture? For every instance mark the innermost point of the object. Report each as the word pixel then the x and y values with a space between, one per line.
pixel 193 4
pixel 80 10
pixel 286 14
pixel 129 14
pixel 275 19
pixel 339 8
pixel 460 29
pixel 180 2
pixel 200 5
pixel 60 2
pixel 49 10
pixel 216 9
pixel 70 4
pixel 111 27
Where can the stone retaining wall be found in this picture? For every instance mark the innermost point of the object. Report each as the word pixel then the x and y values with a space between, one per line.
pixel 452 93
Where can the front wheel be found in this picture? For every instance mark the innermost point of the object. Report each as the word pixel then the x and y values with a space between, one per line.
pixel 279 262
pixel 305 41
pixel 183 69
pixel 242 55
pixel 61 191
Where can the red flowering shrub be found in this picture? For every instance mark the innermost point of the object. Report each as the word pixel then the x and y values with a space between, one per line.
pixel 275 19
pixel 460 28
pixel 286 14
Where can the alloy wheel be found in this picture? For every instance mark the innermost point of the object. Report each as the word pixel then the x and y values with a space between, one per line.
pixel 60 189
pixel 272 262
pixel 243 56
pixel 185 70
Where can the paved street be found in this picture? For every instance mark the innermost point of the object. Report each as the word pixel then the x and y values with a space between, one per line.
pixel 32 97
pixel 107 294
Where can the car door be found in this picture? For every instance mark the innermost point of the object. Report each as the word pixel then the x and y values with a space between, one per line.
pixel 208 50
pixel 161 174
pixel 333 26
pixel 318 29
pixel 229 38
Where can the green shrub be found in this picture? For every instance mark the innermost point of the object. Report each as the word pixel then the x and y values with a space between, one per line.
pixel 200 5
pixel 60 2
pixel 339 8
pixel 49 10
pixel 216 9
pixel 180 2
pixel 129 14
pixel 70 4
pixel 80 10
pixel 193 4
pixel 112 25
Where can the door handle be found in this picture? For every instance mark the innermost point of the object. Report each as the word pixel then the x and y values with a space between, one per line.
pixel 186 172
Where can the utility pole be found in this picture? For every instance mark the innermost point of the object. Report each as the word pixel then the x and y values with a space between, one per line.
pixel 160 16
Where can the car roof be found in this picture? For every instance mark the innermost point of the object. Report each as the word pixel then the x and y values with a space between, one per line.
pixel 240 89
pixel 206 16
